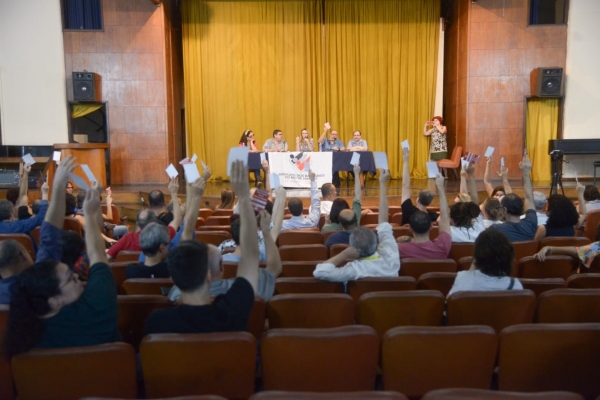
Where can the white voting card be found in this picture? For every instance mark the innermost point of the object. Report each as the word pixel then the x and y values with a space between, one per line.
pixel 88 172
pixel 405 144
pixel 191 172
pixel 172 171
pixel 381 161
pixel 274 181
pixel 79 182
pixel 432 169
pixel 237 153
pixel 56 156
pixel 355 159
pixel 489 151
pixel 28 159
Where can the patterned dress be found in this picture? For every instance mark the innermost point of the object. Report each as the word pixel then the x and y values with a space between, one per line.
pixel 439 147
pixel 303 146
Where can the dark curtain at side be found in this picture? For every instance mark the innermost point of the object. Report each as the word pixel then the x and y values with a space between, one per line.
pixel 83 14
pixel 534 12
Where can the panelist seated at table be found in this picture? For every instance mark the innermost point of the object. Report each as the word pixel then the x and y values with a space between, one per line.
pixel 331 144
pixel 276 143
pixel 304 142
pixel 358 143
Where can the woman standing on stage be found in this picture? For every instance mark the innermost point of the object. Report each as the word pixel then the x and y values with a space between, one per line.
pixel 439 147
pixel 305 143
pixel 247 140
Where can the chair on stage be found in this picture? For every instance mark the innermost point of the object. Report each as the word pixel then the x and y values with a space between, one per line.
pixel 452 163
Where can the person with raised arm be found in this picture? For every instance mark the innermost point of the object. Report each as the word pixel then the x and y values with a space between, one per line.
pixel 331 144
pixel 299 221
pixel 52 308
pixel 498 191
pixel 466 220
pixel 189 267
pixel 423 200
pixel 515 228
pixel 369 254
pixel 419 245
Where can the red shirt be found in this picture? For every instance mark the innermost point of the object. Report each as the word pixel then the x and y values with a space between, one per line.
pixel 131 242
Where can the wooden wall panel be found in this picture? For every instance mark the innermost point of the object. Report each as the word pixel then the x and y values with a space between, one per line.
pixel 130 57
pixel 494 51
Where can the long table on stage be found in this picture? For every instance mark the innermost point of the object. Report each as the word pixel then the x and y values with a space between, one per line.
pixel 340 161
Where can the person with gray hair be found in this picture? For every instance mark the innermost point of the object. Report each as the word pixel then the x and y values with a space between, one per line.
pixel 539 202
pixel 368 254
pixel 154 241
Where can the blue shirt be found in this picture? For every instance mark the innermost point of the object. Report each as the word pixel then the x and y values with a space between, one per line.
pixel 25 225
pixel 327 145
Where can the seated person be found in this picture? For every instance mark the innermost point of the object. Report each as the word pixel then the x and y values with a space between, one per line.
pixel 423 201
pixel 158 205
pixel 499 191
pixel 154 241
pixel 14 258
pixel 299 221
pixel 419 246
pixel 492 263
pixel 368 254
pixel 51 307
pixel 329 193
pixel 10 224
pixel 585 253
pixel 466 222
pixel 347 219
pixel 118 230
pixel 491 211
pixel 539 201
pixel 227 200
pixel 563 217
pixel 131 241
pixel 189 267
pixel 514 227
pixel 339 204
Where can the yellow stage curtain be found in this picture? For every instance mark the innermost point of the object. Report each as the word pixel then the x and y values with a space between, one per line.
pixel 250 65
pixel 380 73
pixel 80 110
pixel 541 126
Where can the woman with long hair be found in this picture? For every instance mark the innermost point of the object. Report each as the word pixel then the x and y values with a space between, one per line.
pixel 563 217
pixel 247 140
pixel 491 211
pixel 227 199
pixel 304 142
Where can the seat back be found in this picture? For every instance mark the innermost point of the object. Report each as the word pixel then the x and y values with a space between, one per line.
pixel 134 310
pixel 297 269
pixel 205 213
pixel 212 237
pixel 370 218
pixel 35 234
pixel 215 228
pixel 320 360
pixel 362 395
pixel 307 285
pixel 257 318
pixel 107 370
pixel 464 263
pixel 574 241
pixel 147 285
pixel 396 218
pixel 223 212
pixel 116 215
pixel 584 281
pixel 312 310
pixel 200 222
pixel 220 220
pixel 385 310
pixel 294 237
pixel 337 249
pixel 591 225
pixel 7 390
pixel 552 267
pixel 304 252
pixel 473 394
pixel 539 286
pixel 497 309
pixel 536 357
pixel 460 250
pixel 398 231
pixel 127 255
pixel 568 306
pixel 229 269
pixel 525 248
pixel 118 271
pixel 221 363
pixel 379 284
pixel 440 281
pixel 418 359
pixel 71 224
pixel 23 239
pixel 416 267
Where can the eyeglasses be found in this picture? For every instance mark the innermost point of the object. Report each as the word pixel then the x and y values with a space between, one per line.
pixel 74 278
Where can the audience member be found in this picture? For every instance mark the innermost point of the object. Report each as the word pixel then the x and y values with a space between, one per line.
pixel 425 196
pixel 492 212
pixel 419 246
pixel 51 307
pixel 8 222
pixel 157 204
pixel 514 227
pixel 118 230
pixel 585 253
pixel 498 191
pixel 539 202
pixel 465 216
pixel 154 242
pixel 227 200
pixel 492 263
pixel 339 204
pixel 189 267
pixel 563 218
pixel 69 188
pixel 348 222
pixel 299 221
pixel 331 144
pixel 369 254
pixel 329 193
pixel 276 143
pixel 592 200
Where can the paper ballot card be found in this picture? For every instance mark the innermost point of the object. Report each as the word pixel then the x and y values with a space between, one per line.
pixel 355 159
pixel 259 199
pixel 576 178
pixel 381 161
pixel 88 172
pixel 172 171
pixel 56 156
pixel 502 162
pixel 464 163
pixel 79 182
pixel 185 161
pixel 432 169
pixel 274 180
pixel 28 159
pixel 489 151
pixel 237 153
pixel 472 158
pixel 405 144
pixel 191 172
pixel 263 157
pixel 194 158
pixel 204 166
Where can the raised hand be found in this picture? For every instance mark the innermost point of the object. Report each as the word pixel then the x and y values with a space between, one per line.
pixel 405 153
pixel 525 165
pixel 91 203
pixel 356 169
pixel 312 175
pixel 350 254
pixel 239 178
pixel 384 175
pixel 265 221
pixel 439 181
pixel 61 176
pixel 327 126
pixel 173 185
pixel 206 174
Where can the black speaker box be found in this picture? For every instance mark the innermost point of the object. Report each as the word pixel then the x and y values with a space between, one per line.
pixel 547 82
pixel 86 86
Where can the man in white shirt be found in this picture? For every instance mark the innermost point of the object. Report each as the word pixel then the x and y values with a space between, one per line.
pixel 366 257
pixel 299 221
pixel 329 194
pixel 539 202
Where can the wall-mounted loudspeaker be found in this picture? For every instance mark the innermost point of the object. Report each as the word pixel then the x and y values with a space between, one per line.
pixel 547 82
pixel 86 86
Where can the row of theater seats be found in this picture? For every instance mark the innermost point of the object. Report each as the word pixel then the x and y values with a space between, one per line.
pixel 412 360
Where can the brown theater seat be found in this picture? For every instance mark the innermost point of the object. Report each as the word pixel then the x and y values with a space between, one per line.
pixel 23 239
pixel 460 250
pixel 7 390
pixel 304 252
pixel 337 249
pixel 552 267
pixel 416 267
pixel 379 284
pixel 221 363
pixel 539 286
pixel 107 370
pixel 315 310
pixel 320 360
pixel 574 241
pixel 440 281
pixel 307 285
pixel 418 359
pixel 134 310
pixel 482 394
pixel 584 281
pixel 219 221
pixel 127 255
pixel 568 306
pixel 118 271
pixel 212 237
pixel 298 269
pixel 295 237
pixel 363 395
pixel 525 248
pixel 147 285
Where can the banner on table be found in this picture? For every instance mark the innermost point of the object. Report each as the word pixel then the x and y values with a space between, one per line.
pixel 291 168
